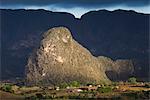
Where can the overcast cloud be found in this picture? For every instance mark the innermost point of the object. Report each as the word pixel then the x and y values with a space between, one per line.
pixel 77 7
pixel 72 3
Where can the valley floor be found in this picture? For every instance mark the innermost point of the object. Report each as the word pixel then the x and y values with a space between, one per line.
pixel 140 91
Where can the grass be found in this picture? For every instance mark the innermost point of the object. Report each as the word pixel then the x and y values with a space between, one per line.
pixel 132 92
pixel 106 89
pixel 10 96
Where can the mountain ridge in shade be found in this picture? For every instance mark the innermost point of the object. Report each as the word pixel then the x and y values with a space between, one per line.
pixel 126 36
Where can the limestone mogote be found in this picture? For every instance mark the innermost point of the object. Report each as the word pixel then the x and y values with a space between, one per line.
pixel 59 58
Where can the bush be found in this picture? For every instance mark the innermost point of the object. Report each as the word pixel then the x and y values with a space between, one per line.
pixel 132 80
pixel 104 89
pixel 90 83
pixel 71 84
pixel 63 85
pixel 74 84
pixel 7 88
pixel 114 83
pixel 147 85
pixel 39 95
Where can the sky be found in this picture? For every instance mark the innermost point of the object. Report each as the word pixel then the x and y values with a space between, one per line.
pixel 77 7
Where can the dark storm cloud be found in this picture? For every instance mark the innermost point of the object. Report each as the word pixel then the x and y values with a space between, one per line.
pixel 73 3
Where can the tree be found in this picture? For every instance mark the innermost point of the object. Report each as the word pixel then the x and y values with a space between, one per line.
pixel 132 80
pixel 7 88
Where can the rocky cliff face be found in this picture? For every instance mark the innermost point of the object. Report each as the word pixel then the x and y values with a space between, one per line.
pixel 61 59
pixel 117 70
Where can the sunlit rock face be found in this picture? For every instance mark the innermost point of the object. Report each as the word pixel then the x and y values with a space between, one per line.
pixel 60 59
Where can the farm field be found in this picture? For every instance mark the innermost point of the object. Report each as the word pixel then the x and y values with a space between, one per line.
pixel 118 91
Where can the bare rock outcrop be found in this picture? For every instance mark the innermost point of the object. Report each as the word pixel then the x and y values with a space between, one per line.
pixel 120 69
pixel 60 58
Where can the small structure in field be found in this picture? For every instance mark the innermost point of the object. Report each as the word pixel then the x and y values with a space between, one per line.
pixel 75 90
pixel 88 88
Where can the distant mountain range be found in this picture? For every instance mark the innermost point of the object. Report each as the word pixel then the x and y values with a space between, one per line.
pixel 116 34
